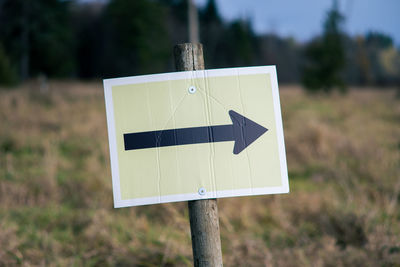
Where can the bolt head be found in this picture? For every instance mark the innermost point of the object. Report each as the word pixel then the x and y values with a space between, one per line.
pixel 192 89
pixel 202 191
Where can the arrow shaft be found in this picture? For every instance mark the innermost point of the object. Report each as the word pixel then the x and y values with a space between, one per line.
pixel 175 137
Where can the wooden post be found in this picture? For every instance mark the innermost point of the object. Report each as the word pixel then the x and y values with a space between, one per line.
pixel 203 214
pixel 193 22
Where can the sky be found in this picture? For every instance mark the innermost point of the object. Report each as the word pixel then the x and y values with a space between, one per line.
pixel 302 19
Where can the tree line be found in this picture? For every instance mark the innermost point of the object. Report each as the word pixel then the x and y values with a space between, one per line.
pixel 89 40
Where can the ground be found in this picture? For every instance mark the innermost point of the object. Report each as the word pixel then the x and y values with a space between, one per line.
pixel 56 196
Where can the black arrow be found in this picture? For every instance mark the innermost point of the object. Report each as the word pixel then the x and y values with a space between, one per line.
pixel 243 131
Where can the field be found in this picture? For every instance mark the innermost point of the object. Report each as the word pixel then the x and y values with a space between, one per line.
pixel 56 196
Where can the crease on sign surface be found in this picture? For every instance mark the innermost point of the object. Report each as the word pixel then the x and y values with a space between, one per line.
pixel 174 124
pixel 203 86
pixel 152 122
pixel 170 119
pixel 212 148
pixel 199 84
pixel 173 113
pixel 207 99
pixel 244 112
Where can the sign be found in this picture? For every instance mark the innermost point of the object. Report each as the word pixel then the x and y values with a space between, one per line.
pixel 194 135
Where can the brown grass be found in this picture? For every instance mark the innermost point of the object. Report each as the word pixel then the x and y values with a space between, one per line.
pixel 56 197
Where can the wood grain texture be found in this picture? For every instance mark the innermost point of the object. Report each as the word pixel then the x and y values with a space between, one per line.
pixel 204 226
pixel 189 57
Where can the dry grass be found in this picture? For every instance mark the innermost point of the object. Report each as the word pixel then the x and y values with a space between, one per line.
pixel 56 197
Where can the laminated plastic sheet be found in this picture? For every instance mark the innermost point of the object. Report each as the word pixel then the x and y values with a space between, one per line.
pixel 195 135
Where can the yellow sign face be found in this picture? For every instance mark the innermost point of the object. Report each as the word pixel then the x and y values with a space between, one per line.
pixel 195 135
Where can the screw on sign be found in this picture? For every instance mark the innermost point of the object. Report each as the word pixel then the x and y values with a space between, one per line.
pixel 192 89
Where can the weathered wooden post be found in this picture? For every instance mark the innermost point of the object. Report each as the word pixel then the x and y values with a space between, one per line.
pixel 204 223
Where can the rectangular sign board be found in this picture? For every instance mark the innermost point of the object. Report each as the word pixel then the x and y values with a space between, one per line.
pixel 195 135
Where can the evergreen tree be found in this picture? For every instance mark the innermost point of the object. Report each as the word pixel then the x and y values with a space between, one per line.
pixel 241 44
pixel 137 40
pixel 213 36
pixel 326 56
pixel 89 24
pixel 37 36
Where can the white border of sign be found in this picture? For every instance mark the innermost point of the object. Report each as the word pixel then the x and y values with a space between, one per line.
pixel 109 83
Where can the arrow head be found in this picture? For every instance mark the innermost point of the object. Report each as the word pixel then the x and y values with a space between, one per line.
pixel 245 131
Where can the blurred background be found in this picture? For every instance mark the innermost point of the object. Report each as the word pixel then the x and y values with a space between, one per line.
pixel 338 65
pixel 102 39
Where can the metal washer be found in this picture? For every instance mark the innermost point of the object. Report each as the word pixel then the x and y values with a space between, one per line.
pixel 202 191
pixel 192 89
